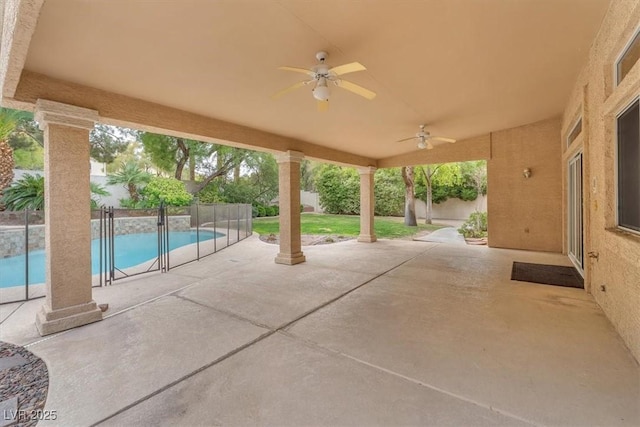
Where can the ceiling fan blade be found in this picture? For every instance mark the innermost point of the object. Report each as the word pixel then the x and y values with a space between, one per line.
pixel 358 90
pixel 289 89
pixel 297 70
pixel 323 106
pixel 429 145
pixel 440 138
pixel 407 139
pixel 347 68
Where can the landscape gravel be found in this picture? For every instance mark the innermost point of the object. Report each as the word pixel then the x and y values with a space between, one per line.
pixel 28 381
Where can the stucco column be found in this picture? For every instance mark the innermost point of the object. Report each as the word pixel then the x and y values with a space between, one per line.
pixel 289 196
pixel 69 302
pixel 367 205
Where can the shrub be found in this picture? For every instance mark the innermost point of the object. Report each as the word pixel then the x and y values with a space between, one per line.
pixel 389 192
pixel 25 193
pixel 130 204
pixel 441 193
pixel 269 211
pixel 475 226
pixel 168 190
pixel 28 193
pixel 467 193
pixel 339 190
pixel 210 194
pixel 262 211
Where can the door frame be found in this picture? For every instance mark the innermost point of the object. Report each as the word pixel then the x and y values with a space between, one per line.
pixel 575 210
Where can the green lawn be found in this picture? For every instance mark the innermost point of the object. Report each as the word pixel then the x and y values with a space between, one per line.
pixel 342 225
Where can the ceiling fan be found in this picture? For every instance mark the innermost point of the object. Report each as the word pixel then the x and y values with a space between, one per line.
pixel 424 139
pixel 321 75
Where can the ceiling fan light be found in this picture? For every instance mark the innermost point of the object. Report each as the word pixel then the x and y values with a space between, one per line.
pixel 321 92
pixel 422 145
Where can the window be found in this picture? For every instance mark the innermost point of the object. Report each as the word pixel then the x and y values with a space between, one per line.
pixel 628 58
pixel 628 124
pixel 575 132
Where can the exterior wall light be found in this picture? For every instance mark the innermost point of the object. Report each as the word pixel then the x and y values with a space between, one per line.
pixel 527 173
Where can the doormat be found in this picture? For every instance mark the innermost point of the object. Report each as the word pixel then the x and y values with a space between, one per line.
pixel 557 275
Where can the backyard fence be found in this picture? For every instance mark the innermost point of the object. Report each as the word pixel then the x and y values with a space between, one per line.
pixel 125 243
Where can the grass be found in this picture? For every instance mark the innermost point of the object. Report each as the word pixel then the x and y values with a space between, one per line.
pixel 342 225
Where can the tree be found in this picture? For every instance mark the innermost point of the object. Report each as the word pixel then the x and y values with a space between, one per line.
pixel 443 175
pixel 27 141
pixel 258 185
pixel 11 121
pixel 171 154
pixel 409 197
pixel 133 153
pixel 109 141
pixel 97 190
pixel 475 175
pixel 167 153
pixel 132 177
pixel 27 134
pixel 224 158
pixel 262 175
pixel 308 172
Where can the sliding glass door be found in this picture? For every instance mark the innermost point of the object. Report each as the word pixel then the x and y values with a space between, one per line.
pixel 575 209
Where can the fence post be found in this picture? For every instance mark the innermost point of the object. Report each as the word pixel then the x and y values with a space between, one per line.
pixel 26 254
pixel 112 251
pixel 248 214
pixel 100 245
pixel 197 231
pixel 215 237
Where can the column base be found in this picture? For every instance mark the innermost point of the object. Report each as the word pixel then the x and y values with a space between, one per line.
pixel 290 259
pixel 52 321
pixel 365 238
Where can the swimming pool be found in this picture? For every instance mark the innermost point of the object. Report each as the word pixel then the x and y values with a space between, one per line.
pixel 130 250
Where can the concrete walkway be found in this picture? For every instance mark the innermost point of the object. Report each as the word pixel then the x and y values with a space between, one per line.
pixel 443 235
pixel 396 332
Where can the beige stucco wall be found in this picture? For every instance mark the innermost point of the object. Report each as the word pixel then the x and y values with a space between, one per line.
pixel 598 101
pixel 452 208
pixel 526 213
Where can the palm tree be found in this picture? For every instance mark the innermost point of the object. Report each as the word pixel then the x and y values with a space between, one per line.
pixel 131 176
pixel 97 190
pixel 10 120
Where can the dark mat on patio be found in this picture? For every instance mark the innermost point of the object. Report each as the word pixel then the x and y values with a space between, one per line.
pixel 558 275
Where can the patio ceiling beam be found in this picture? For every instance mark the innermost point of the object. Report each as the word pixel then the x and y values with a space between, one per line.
pixel 476 148
pixel 121 110
pixel 18 20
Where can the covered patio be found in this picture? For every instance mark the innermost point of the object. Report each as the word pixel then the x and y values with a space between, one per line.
pixel 399 332
pixel 362 332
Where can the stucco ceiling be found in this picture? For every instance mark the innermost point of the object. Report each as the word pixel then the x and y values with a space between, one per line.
pixel 464 67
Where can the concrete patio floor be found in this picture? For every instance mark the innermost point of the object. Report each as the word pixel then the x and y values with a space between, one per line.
pixel 396 332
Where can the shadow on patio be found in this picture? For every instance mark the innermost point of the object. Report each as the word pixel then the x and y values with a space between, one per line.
pixel 396 332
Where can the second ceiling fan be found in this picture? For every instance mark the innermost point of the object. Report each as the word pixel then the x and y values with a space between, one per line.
pixel 424 139
pixel 321 75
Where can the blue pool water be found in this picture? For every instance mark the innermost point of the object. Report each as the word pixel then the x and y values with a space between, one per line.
pixel 130 250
